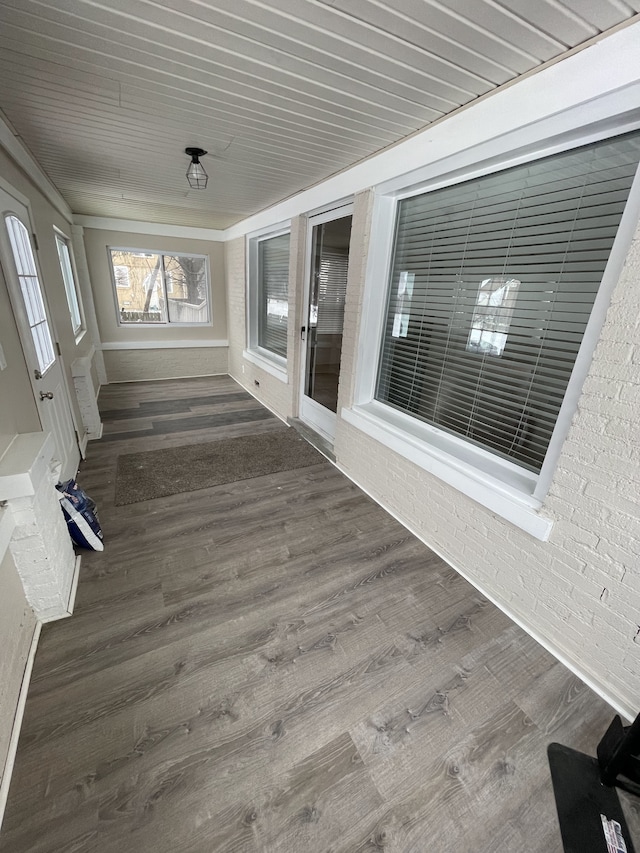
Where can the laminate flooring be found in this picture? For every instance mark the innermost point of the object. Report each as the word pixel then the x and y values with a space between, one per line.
pixel 276 665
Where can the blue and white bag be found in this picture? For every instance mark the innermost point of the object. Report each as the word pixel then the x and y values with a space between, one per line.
pixel 81 516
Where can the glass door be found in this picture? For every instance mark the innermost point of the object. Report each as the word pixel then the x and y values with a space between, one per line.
pixel 322 332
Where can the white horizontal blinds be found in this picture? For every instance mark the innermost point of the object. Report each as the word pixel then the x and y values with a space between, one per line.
pixel 31 292
pixel 273 293
pixel 492 285
pixel 69 283
pixel 332 289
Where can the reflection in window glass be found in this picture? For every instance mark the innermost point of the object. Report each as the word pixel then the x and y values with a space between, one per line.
pixel 492 315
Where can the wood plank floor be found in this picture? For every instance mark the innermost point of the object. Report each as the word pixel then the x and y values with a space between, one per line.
pixel 277 665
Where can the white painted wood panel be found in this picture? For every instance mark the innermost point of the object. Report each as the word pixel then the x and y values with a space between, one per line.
pixel 282 93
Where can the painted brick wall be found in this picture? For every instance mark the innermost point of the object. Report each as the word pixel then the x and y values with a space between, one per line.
pixel 42 551
pixel 580 591
pixel 135 365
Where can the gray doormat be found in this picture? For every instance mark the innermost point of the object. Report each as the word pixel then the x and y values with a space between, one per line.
pixel 171 470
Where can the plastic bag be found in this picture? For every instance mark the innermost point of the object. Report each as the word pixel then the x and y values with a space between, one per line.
pixel 81 516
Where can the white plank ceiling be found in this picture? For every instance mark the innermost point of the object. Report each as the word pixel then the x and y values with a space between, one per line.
pixel 282 93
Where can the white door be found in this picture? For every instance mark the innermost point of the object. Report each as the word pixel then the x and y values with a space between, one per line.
pixel 44 363
pixel 326 287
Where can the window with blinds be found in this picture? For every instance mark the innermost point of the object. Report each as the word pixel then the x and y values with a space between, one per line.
pixel 332 290
pixel 273 294
pixel 492 284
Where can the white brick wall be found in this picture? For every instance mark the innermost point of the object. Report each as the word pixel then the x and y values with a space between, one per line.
pixel 42 551
pixel 81 371
pixel 134 365
pixel 580 591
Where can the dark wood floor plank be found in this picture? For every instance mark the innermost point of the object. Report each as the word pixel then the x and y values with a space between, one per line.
pixel 277 666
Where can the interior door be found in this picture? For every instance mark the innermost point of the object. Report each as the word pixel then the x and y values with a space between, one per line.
pixel 329 239
pixel 46 370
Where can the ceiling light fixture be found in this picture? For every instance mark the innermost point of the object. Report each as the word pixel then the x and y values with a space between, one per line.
pixel 196 174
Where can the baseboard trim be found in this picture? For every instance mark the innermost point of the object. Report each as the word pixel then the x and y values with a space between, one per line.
pixel 17 721
pixel 166 378
pixel 72 595
pixel 74 586
pixel 625 711
pixel 262 402
pixel 98 435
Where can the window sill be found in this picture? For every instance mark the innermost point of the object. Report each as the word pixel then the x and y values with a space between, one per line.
pixel 512 501
pixel 133 325
pixel 270 363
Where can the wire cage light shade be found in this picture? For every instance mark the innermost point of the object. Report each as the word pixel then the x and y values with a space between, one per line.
pixel 196 174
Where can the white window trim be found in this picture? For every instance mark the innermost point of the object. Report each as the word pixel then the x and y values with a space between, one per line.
pixel 267 361
pixel 264 358
pixel 80 332
pixel 168 323
pixel 501 486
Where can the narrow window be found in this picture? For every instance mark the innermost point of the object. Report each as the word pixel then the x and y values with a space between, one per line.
pixel 492 284
pixel 70 283
pixel 31 291
pixel 271 297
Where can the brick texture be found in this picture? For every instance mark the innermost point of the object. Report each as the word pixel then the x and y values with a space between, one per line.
pixel 42 551
pixel 135 365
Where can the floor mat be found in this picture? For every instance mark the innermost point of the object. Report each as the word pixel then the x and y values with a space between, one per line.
pixel 169 471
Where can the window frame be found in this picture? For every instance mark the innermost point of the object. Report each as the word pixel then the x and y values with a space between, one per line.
pixel 61 237
pixel 272 362
pixel 168 323
pixel 498 484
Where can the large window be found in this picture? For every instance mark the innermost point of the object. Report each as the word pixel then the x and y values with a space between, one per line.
pixel 159 288
pixel 492 283
pixel 269 295
pixel 70 283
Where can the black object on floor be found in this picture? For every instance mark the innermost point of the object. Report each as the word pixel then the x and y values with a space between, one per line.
pixel 619 756
pixel 590 815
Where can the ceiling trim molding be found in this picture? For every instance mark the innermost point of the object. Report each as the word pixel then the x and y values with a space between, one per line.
pixel 20 154
pixel 155 229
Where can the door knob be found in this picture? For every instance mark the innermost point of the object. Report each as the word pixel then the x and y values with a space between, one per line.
pixel 46 395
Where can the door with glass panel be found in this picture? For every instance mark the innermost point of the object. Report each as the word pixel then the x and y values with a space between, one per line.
pixel 46 370
pixel 329 239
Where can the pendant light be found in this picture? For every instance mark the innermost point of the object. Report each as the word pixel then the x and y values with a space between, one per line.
pixel 196 174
